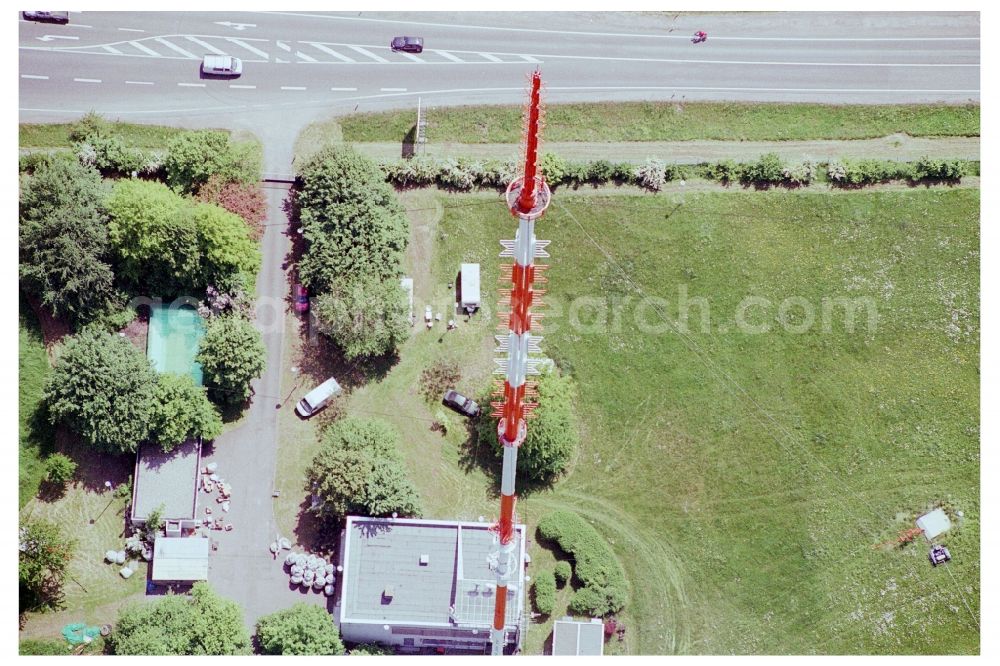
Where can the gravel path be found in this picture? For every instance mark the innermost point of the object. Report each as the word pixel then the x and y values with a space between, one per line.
pixel 896 147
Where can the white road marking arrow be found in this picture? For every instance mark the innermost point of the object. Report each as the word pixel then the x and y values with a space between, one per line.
pixel 49 38
pixel 236 26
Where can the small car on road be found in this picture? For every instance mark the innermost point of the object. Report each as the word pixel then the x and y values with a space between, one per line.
pixel 300 296
pixel 221 65
pixel 318 398
pixel 461 404
pixel 408 44
pixel 46 17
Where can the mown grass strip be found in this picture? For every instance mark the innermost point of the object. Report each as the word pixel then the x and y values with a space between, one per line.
pixel 669 121
pixel 56 135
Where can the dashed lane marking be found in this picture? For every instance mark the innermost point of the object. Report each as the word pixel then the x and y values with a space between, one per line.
pixel 330 51
pixel 368 54
pixel 393 89
pixel 293 87
pixel 34 76
pixel 139 83
pixel 191 85
pixel 87 80
pixel 242 87
pixel 131 30
pixel 334 89
pixel 205 45
pixel 175 48
pixel 252 49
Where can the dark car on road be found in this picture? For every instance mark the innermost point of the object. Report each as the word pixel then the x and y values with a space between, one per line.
pixel 46 17
pixel 461 404
pixel 408 44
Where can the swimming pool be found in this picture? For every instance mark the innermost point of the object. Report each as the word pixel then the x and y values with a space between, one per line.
pixel 172 343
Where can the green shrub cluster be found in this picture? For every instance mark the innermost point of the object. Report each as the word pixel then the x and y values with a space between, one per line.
pixel 96 144
pixel 563 572
pixel 868 171
pixel 944 169
pixel 193 157
pixel 605 590
pixel 545 592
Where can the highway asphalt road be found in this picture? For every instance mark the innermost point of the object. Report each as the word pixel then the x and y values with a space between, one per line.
pixel 144 67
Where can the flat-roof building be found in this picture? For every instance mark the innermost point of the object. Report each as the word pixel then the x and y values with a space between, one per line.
pixel 416 583
pixel 168 481
pixel 180 559
pixel 578 637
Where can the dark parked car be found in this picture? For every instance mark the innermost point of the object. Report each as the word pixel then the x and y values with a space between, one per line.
pixel 461 404
pixel 408 44
pixel 46 17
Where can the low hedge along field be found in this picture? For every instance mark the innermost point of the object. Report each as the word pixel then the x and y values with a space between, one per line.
pixel 545 592
pixel 604 590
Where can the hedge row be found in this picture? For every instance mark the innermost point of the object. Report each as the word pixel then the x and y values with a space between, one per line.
pixel 545 592
pixel 653 174
pixel 563 572
pixel 605 590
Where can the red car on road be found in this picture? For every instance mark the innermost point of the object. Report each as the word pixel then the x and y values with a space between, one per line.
pixel 300 296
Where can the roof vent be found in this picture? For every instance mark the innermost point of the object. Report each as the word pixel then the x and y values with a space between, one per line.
pixel 388 593
pixel 425 560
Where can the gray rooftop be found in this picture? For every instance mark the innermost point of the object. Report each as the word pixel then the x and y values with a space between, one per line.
pixel 170 479
pixel 384 553
pixel 570 637
pixel 180 558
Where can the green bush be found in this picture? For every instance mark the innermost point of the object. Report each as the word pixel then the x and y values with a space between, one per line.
pixel 303 629
pixel 193 157
pixel 767 170
pixel 867 171
pixel 674 172
pixel 455 174
pixel 944 169
pixel 576 173
pixel 231 355
pixel 600 171
pixel 371 650
pixel 364 316
pixel 623 172
pixel 725 171
pixel 605 590
pixel 552 168
pixel 59 469
pixel 46 646
pixel 563 572
pixel 112 155
pixel 800 174
pixel 545 592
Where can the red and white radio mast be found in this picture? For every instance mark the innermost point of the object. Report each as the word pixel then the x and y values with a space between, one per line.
pixel 527 197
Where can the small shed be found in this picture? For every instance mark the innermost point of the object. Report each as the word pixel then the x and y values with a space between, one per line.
pixel 578 637
pixel 469 298
pixel 180 559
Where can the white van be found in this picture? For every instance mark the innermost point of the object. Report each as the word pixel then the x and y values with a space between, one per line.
pixel 317 399
pixel 221 65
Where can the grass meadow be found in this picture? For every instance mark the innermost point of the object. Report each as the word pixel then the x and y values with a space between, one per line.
pixel 743 478
pixel 670 121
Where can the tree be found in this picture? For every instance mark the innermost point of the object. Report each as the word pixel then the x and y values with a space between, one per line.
pixel 194 157
pixel 358 470
pixel 365 316
pixel 44 554
pixel 227 251
pixel 303 629
pixel 545 592
pixel 563 572
pixel 351 220
pixel 63 239
pixel 181 411
pixel 200 624
pixel 103 389
pixel 59 469
pixel 155 236
pixel 371 650
pixel 231 355
pixel 553 435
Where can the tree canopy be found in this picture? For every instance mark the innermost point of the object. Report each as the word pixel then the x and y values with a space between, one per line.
pixel 44 554
pixel 103 389
pixel 351 220
pixel 193 157
pixel 181 411
pixel 364 316
pixel 155 237
pixel 200 624
pixel 303 629
pixel 553 435
pixel 231 355
pixel 358 470
pixel 228 253
pixel 63 239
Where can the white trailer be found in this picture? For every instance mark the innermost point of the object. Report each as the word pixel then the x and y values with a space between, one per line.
pixel 469 300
